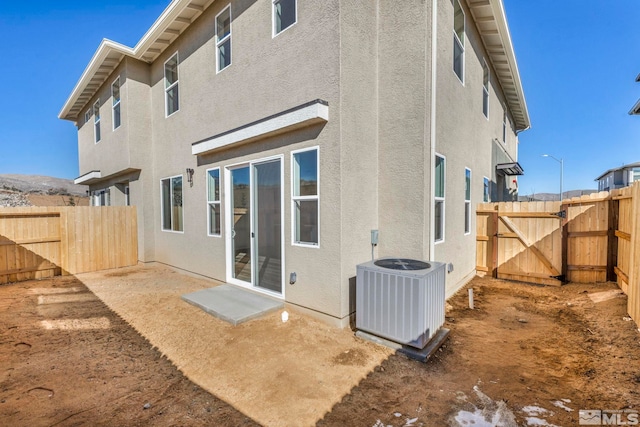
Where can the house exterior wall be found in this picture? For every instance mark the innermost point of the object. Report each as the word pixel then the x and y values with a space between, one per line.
pixel 372 63
pixel 467 139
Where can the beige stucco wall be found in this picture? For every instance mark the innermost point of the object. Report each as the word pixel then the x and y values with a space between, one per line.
pixel 465 137
pixel 373 66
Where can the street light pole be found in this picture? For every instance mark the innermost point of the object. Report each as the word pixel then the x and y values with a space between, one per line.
pixel 561 161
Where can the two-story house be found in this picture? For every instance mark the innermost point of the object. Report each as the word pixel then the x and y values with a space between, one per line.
pixel 263 138
pixel 619 177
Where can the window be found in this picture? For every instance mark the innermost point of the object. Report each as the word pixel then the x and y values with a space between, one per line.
pixel 171 85
pixel 213 201
pixel 439 199
pixel 284 15
pixel 223 38
pixel 635 175
pixel 87 116
pixel 504 126
pixel 467 200
pixel 458 40
pixel 96 121
pixel 485 190
pixel 172 203
pixel 305 197
pixel 115 95
pixel 485 89
pixel 101 198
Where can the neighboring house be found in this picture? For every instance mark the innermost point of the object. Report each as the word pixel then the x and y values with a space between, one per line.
pixel 259 139
pixel 619 177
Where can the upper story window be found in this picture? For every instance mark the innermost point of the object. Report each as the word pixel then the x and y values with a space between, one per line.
pixel 305 197
pixel 504 126
pixel 172 102
pixel 213 201
pixel 223 38
pixel 485 89
pixel 635 175
pixel 96 121
pixel 285 14
pixel 87 116
pixel 115 95
pixel 171 203
pixel 458 40
pixel 439 199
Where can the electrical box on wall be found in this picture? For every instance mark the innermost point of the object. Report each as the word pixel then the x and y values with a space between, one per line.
pixel 374 237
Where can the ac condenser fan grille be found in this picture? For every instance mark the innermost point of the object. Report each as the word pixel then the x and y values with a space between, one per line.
pixel 402 264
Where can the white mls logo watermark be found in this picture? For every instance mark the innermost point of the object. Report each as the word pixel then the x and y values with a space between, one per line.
pixel 614 417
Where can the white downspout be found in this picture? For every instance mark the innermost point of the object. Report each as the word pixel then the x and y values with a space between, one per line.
pixel 432 139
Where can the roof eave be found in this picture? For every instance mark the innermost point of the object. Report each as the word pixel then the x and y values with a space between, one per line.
pixel 505 35
pixel 142 51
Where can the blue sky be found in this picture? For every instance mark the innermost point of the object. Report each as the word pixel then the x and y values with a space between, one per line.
pixel 578 61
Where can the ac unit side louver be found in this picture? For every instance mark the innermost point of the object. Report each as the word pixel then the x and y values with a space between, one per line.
pixel 402 300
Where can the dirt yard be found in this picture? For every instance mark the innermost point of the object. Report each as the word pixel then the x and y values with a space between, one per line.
pixel 525 355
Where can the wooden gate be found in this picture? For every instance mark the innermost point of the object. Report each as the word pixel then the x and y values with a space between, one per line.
pixel 521 241
pixel 547 242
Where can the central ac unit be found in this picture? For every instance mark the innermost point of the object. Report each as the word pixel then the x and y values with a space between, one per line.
pixel 400 299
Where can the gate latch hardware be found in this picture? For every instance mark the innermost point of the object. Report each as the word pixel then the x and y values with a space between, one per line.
pixel 561 214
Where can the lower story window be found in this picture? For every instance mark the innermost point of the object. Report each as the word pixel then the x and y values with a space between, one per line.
pixel 306 198
pixel 439 199
pixel 101 198
pixel 467 201
pixel 213 201
pixel 171 203
pixel 485 190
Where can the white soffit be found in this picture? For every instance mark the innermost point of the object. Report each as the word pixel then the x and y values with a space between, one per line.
pixel 491 22
pixel 301 116
pixel 173 21
pixel 88 178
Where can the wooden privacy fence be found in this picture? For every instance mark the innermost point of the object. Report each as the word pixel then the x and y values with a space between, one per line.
pixel 42 242
pixel 592 238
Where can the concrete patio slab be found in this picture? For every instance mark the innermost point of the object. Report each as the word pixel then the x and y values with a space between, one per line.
pixel 277 373
pixel 232 304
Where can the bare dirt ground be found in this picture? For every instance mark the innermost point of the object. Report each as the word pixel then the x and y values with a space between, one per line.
pixel 525 355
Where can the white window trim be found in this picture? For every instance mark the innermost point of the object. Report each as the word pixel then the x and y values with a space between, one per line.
pixel 468 221
pixel 488 181
pixel 115 104
pixel 174 84
pixel 273 19
pixel 215 202
pixel 87 116
pixel 221 42
pixel 443 200
pixel 485 89
pixel 162 210
pixel 294 199
pixel 457 39
pixel 96 122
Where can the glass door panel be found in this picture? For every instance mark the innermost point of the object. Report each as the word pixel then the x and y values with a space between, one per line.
pixel 241 225
pixel 267 193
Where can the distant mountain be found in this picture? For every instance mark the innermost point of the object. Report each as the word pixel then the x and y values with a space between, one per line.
pixel 544 197
pixel 41 184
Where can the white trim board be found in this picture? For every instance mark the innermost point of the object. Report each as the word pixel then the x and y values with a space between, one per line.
pixel 298 117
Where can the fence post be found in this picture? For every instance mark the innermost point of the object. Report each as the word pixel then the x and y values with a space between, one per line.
pixel 494 242
pixel 612 240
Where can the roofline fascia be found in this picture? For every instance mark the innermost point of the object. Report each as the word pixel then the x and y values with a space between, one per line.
pixel 505 35
pixel 107 46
